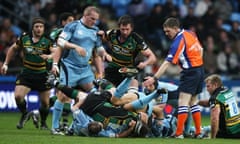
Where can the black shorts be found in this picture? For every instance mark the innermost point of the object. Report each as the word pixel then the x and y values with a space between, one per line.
pixel 191 80
pixel 98 103
pixel 226 135
pixel 34 81
pixel 113 75
pixel 108 110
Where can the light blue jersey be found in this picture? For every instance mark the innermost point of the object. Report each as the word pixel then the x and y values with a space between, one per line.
pixel 167 85
pixel 149 105
pixel 162 99
pixel 167 128
pixel 81 121
pixel 83 36
pixel 75 69
pixel 112 130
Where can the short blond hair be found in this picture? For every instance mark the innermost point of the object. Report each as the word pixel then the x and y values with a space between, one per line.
pixel 171 22
pixel 214 79
pixel 89 9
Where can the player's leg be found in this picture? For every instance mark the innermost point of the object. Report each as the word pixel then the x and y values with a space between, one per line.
pixel 112 74
pixel 57 112
pixel 188 124
pixel 44 108
pixel 196 114
pixel 65 114
pixel 143 100
pixel 85 80
pixel 122 87
pixel 20 92
pixel 195 109
pixel 59 103
pixel 183 109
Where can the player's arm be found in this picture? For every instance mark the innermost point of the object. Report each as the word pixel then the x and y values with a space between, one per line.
pixel 159 112
pixel 10 53
pixel 56 55
pixel 81 96
pixel 103 35
pixel 48 56
pixel 145 51
pixel 162 69
pixel 204 103
pixel 158 74
pixel 125 100
pixel 215 112
pixel 103 54
pixel 151 58
pixel 98 63
pixel 128 131
pixel 68 45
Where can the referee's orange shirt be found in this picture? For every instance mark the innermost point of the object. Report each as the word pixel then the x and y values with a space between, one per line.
pixel 186 50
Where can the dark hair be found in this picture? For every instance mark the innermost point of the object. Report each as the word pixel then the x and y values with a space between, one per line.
pixel 64 16
pixel 38 20
pixel 141 129
pixel 125 19
pixel 172 22
pixel 146 91
pixel 94 128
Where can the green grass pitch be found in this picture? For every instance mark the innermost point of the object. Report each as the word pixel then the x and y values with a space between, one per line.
pixel 30 135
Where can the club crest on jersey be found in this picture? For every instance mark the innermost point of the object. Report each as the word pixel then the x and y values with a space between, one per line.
pixel 79 32
pixel 117 49
pixel 28 42
pixel 29 49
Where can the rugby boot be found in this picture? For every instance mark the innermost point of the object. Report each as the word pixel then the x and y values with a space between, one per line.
pixel 129 72
pixel 24 118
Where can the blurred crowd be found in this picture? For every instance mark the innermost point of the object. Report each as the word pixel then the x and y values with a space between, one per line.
pixel 216 22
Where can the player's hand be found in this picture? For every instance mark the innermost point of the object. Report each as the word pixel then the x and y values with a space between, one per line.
pixel 107 58
pixel 45 56
pixel 141 65
pixel 81 51
pixel 101 33
pixel 55 69
pixel 148 81
pixel 132 124
pixel 4 69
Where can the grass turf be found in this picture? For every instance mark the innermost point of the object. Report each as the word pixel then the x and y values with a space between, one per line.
pixel 9 134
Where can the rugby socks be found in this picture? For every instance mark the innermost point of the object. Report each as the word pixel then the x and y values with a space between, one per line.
pixel 196 115
pixel 122 87
pixel 66 112
pixel 43 114
pixel 21 106
pixel 188 124
pixel 52 100
pixel 70 92
pixel 57 112
pixel 181 118
pixel 67 107
pixel 143 100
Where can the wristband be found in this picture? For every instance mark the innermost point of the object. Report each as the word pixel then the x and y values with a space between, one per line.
pixel 56 66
